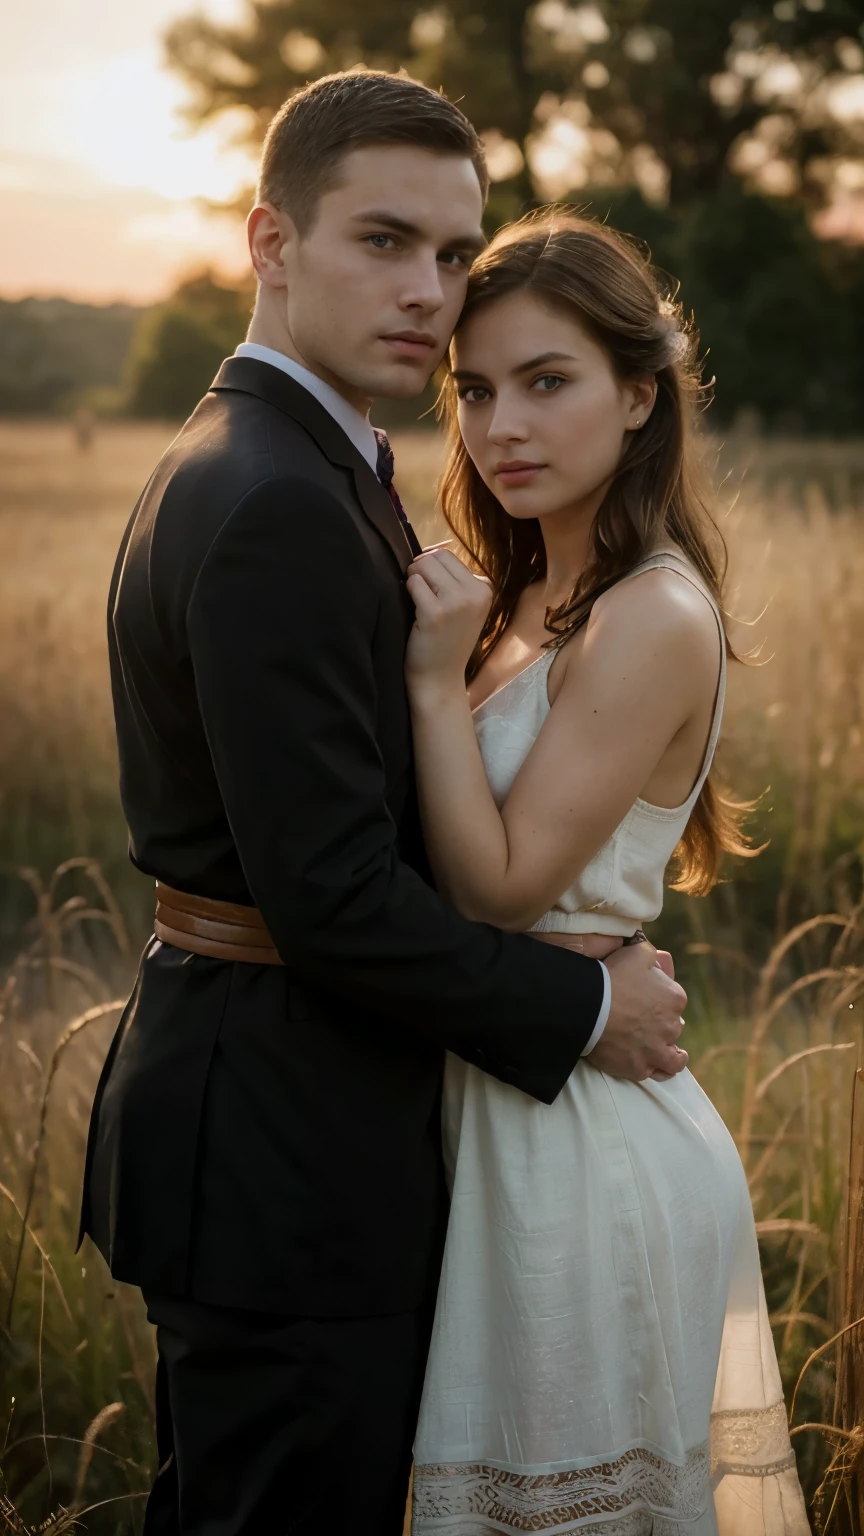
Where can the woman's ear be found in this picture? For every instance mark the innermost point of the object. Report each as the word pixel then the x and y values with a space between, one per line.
pixel 639 397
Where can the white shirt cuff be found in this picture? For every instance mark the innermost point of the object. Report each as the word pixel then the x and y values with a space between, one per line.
pixel 603 1015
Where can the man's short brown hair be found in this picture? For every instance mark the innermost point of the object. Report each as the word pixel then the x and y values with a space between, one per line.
pixel 316 128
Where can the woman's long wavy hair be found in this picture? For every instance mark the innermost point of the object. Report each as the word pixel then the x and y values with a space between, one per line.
pixel 592 274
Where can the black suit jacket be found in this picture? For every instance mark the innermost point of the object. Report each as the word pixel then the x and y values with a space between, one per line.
pixel 266 1137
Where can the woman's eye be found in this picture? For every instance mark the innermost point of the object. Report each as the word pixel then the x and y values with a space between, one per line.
pixel 474 394
pixel 549 381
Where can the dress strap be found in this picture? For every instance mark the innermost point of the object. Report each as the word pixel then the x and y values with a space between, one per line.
pixel 669 557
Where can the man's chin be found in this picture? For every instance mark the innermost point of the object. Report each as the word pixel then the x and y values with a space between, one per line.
pixel 401 381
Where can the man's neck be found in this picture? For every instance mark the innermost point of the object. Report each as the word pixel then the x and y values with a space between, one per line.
pixel 264 333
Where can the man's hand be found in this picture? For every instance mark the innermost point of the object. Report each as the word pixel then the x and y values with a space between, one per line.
pixel 645 1018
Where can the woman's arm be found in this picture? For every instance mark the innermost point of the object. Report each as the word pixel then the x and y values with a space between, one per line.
pixel 290 705
pixel 649 657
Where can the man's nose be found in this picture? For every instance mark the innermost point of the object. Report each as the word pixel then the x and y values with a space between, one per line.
pixel 423 289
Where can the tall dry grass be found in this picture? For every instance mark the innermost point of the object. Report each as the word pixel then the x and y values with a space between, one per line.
pixel 774 961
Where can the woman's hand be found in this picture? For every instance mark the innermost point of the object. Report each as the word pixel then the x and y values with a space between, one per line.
pixel 451 605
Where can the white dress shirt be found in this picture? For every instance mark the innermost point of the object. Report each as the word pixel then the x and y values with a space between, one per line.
pixel 359 430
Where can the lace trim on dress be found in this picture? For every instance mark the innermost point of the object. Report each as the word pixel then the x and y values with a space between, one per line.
pixel 638 1522
pixel 750 1442
pixel 634 1483
pixel 637 1486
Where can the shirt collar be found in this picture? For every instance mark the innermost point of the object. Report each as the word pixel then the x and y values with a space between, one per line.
pixel 357 428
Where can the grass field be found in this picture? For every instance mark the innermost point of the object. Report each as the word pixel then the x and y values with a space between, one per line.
pixel 773 959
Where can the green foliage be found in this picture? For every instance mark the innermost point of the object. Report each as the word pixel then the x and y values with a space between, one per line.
pixel 179 345
pixel 780 313
pixel 653 68
pixel 698 105
pixel 51 350
pixel 76 1354
pixel 690 79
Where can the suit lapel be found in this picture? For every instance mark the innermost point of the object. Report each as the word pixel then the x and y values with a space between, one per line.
pixel 248 376
pixel 380 511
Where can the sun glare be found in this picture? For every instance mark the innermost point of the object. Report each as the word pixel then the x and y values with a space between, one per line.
pixel 124 124
pixel 92 140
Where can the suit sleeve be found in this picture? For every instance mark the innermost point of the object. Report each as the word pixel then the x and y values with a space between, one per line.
pixel 280 626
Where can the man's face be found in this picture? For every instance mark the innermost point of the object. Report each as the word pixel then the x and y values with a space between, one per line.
pixel 376 284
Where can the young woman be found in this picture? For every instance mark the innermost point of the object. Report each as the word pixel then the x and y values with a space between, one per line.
pixel 602 1357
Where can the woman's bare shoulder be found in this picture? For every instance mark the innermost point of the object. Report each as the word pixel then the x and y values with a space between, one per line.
pixel 651 630
pixel 658 604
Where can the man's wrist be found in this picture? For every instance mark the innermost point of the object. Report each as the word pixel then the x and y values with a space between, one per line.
pixel 603 1015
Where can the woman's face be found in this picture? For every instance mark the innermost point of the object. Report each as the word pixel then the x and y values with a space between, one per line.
pixel 541 411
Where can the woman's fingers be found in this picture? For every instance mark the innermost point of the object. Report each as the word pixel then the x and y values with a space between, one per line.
pixel 451 608
pixel 452 563
pixel 423 596
pixel 447 565
pixel 451 580
pixel 423 570
pixel 458 570
pixel 432 568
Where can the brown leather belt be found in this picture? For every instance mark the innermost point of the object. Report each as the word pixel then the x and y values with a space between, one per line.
pixel 221 930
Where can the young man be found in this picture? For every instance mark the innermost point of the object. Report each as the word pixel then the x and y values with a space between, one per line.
pixel 264 1157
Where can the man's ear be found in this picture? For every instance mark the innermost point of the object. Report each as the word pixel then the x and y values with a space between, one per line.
pixel 269 232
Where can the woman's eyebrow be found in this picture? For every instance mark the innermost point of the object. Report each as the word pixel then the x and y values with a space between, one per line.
pixel 533 362
pixel 545 357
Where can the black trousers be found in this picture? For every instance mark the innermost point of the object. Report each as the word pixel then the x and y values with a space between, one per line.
pixel 269 1425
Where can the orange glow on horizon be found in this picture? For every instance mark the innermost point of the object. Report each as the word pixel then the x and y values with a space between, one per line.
pixel 100 180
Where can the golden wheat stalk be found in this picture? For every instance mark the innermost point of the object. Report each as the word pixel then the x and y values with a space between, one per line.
pixel 849 1396
pixel 67 1036
pixel 104 1417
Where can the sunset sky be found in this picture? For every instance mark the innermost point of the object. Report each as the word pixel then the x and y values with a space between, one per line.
pixel 98 176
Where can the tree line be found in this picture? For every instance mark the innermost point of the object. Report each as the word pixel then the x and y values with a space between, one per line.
pixel 719 132
pixel 716 131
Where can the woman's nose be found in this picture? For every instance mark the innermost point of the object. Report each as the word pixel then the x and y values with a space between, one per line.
pixel 506 428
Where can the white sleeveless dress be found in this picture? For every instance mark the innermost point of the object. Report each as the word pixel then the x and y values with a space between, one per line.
pixel 601 1359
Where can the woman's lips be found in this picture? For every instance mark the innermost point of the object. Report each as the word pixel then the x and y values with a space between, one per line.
pixel 517 473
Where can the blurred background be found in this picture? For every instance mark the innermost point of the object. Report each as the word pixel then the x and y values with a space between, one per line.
pixel 728 135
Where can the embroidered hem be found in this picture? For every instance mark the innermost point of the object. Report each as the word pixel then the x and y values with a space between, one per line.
pixel 639 1480
pixel 638 1493
pixel 750 1442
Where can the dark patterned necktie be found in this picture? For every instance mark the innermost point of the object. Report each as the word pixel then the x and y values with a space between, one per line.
pixel 385 468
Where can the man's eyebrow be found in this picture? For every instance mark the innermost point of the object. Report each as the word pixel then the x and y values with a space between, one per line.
pixel 384 216
pixel 474 241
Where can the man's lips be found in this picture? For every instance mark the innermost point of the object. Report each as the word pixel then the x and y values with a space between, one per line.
pixel 411 343
pixel 516 471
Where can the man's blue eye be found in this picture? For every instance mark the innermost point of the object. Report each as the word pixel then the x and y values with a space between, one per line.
pixel 385 238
